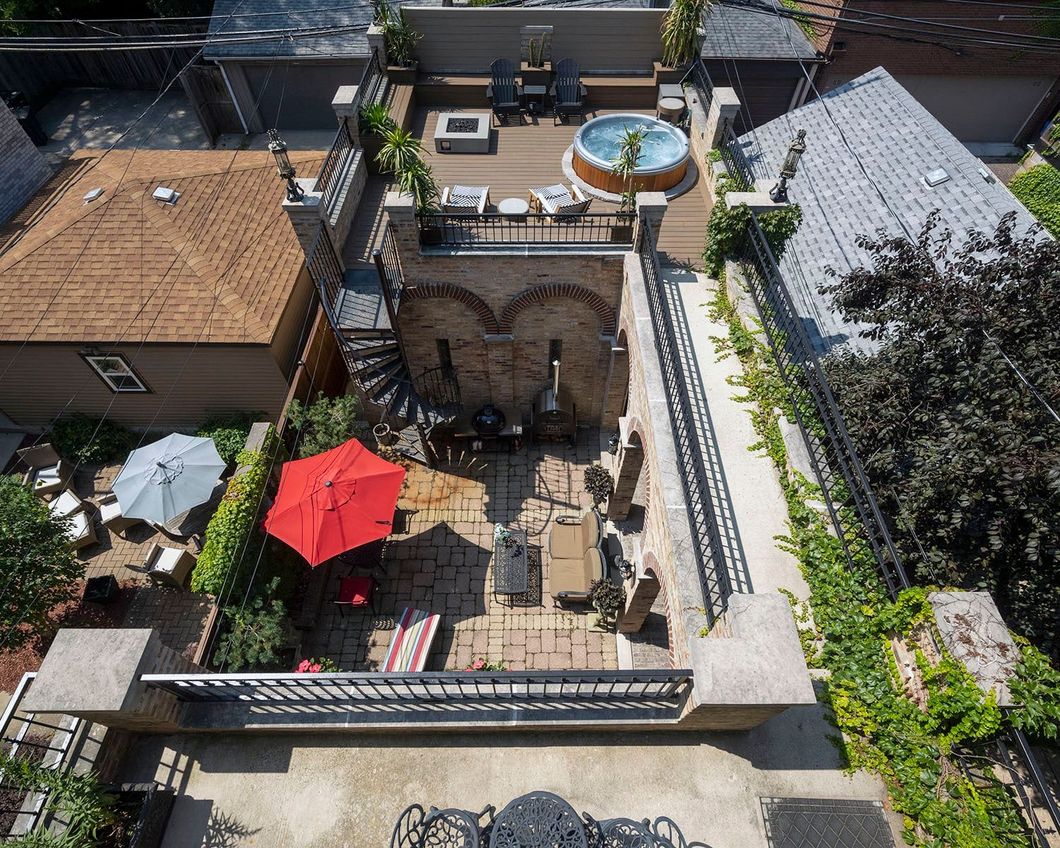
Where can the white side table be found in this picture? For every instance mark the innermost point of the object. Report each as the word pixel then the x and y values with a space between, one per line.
pixel 513 206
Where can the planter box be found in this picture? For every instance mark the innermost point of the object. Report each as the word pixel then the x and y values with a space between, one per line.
pixel 100 590
pixel 536 76
pixel 401 75
pixel 147 809
pixel 371 144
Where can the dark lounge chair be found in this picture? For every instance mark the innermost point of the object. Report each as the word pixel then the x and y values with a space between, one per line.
pixel 568 93
pixel 503 92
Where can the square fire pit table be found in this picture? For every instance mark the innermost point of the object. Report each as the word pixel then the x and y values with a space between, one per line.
pixel 511 565
pixel 462 132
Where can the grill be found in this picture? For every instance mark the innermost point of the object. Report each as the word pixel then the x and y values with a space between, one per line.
pixel 555 414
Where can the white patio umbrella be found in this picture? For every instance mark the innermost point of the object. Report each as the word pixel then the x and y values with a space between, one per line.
pixel 167 478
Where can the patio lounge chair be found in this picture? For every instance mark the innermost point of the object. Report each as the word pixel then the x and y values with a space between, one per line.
pixel 465 199
pixel 576 558
pixel 110 515
pixel 81 531
pixel 503 92
pixel 168 566
pixel 411 642
pixel 567 92
pixel 47 471
pixel 558 200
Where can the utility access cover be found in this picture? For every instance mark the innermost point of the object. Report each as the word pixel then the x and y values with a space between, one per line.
pixel 825 823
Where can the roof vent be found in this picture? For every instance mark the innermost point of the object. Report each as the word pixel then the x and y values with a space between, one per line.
pixel 166 195
pixel 936 177
pixel 93 194
pixel 986 175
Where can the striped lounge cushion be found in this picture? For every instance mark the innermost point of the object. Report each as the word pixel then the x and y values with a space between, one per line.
pixel 411 642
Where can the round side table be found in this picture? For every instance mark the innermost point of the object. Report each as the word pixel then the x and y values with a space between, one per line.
pixel 670 109
pixel 513 206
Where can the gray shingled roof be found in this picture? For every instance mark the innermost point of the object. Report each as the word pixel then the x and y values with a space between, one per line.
pixel 736 33
pixel 899 142
pixel 290 14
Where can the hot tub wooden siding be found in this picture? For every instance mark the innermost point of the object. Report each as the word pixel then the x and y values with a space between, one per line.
pixel 606 180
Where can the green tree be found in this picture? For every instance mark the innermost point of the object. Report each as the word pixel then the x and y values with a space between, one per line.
pixel 326 423
pixel 951 414
pixel 256 631
pixel 37 568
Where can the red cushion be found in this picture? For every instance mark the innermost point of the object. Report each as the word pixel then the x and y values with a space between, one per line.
pixel 355 590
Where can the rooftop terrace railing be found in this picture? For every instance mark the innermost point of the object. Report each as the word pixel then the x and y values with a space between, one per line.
pixel 585 229
pixel 695 477
pixel 701 81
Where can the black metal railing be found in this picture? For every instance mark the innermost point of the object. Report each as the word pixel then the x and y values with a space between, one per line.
pixel 701 81
pixel 845 486
pixel 325 269
pixel 713 570
pixel 440 388
pixel 331 172
pixel 388 265
pixel 613 229
pixel 372 84
pixel 482 693
pixel 735 159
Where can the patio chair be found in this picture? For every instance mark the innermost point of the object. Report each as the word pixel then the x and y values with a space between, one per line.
pixel 411 642
pixel 465 199
pixel 557 200
pixel 567 92
pixel 576 558
pixel 82 531
pixel 168 566
pixel 110 515
pixel 47 472
pixel 356 593
pixel 503 92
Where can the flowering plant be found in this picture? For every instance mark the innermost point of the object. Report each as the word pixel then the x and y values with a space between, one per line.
pixel 312 665
pixel 485 665
pixel 500 533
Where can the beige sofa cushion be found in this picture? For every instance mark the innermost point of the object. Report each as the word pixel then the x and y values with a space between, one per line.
pixel 570 541
pixel 573 576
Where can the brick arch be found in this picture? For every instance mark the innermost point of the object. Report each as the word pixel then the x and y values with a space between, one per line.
pixel 550 291
pixel 458 293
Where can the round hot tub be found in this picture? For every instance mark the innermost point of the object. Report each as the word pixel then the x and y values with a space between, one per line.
pixel 663 157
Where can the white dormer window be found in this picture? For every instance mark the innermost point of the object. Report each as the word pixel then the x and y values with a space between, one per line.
pixel 117 373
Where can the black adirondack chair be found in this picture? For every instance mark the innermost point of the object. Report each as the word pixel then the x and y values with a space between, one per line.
pixel 504 93
pixel 568 93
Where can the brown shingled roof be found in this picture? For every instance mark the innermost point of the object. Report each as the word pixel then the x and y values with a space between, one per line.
pixel 217 266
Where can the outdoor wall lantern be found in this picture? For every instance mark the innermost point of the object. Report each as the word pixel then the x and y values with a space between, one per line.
pixel 278 148
pixel 779 192
pixel 625 567
pixel 613 443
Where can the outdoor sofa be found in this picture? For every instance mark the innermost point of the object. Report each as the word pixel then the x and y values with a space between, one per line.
pixel 576 556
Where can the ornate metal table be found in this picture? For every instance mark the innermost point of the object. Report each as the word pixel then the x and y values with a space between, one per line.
pixel 511 565
pixel 535 820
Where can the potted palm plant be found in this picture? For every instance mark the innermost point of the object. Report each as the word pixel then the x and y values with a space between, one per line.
pixel 400 40
pixel 374 122
pixel 681 32
pixel 625 166
pixel 402 155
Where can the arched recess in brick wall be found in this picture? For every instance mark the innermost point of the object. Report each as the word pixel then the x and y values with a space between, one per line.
pixel 458 293
pixel 552 291
pixel 651 566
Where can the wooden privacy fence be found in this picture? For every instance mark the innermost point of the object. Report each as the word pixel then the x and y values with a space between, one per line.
pixel 38 75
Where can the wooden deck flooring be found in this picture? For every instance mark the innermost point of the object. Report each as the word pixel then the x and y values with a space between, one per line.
pixel 521 157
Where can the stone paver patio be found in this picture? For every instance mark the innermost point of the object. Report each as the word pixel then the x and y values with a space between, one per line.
pixel 443 564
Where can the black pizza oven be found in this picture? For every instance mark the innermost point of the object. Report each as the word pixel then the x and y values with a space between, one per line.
pixel 555 415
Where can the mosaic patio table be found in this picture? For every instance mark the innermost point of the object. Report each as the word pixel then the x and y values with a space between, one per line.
pixel 511 565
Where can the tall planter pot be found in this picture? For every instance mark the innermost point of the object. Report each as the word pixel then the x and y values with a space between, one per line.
pixel 371 144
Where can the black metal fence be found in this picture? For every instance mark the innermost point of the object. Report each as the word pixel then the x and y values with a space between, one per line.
pixel 735 159
pixel 372 86
pixel 714 575
pixel 388 265
pixel 848 495
pixel 701 81
pixel 440 388
pixel 614 229
pixel 331 172
pixel 477 693
pixel 325 269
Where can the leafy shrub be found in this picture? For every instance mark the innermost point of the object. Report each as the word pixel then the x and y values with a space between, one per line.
pixel 229 432
pixel 312 665
pixel 727 228
pixel 255 633
pixel 607 599
pixel 89 439
pixel 599 484
pixel 1036 687
pixel 37 565
pixel 375 119
pixel 1038 189
pixel 326 423
pixel 231 535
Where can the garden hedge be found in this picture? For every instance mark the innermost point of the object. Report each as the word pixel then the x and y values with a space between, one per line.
pixel 1039 190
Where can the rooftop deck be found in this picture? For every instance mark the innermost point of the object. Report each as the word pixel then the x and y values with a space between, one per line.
pixel 522 156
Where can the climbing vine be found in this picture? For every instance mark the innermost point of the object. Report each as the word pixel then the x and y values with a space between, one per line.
pixel 904 720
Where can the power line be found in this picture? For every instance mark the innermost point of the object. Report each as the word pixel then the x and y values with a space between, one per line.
pixel 90 21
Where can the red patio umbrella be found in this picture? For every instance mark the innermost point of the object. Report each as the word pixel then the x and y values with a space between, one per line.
pixel 335 501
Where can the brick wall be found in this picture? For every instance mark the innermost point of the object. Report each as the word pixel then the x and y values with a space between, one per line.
pixel 24 169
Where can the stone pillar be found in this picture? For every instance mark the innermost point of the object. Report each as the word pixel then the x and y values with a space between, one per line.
pixel 401 209
pixel 305 213
pixel 377 41
pixel 651 207
pixel 724 107
pixel 94 674
pixel 641 591
pixel 343 104
pixel 499 361
pixel 628 465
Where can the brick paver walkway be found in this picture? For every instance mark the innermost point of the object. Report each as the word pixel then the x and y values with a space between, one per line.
pixel 178 615
pixel 443 564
